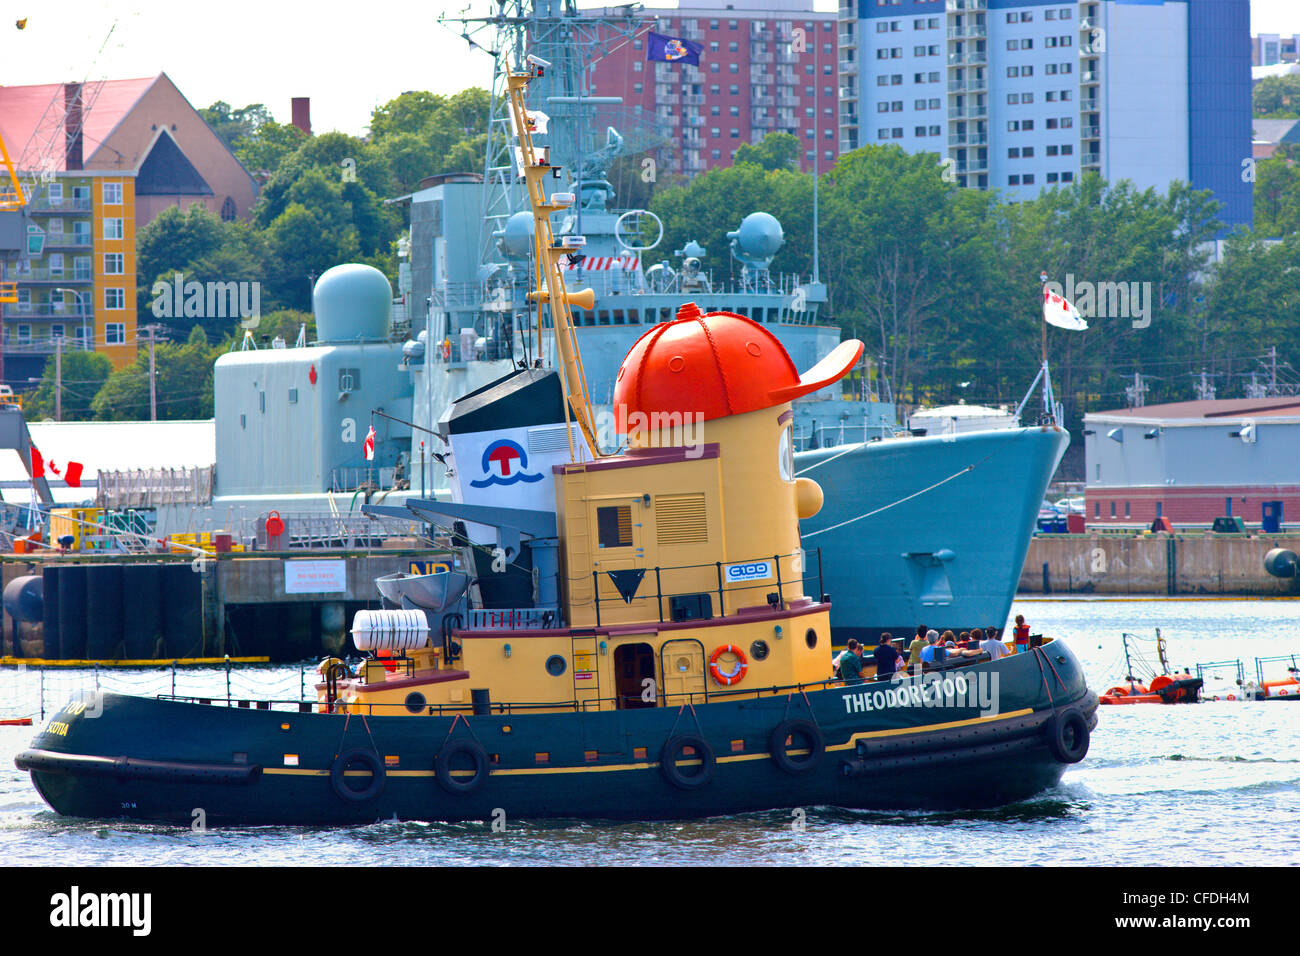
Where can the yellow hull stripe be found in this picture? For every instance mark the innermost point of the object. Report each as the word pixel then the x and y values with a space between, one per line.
pixel 646 765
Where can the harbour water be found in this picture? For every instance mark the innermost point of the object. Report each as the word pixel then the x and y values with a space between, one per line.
pixel 1215 783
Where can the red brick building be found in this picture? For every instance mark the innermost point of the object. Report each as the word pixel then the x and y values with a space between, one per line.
pixel 767 66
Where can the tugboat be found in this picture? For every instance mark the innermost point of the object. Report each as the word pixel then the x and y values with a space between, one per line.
pixel 669 663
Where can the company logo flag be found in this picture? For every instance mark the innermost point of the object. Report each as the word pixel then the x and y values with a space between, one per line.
pixel 369 446
pixel 673 49
pixel 1058 311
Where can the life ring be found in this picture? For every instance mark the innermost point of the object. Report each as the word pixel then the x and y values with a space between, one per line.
pixel 1231 697
pixel 390 665
pixel 1068 736
pixel 442 766
pixel 737 675
pixel 367 761
pixel 675 749
pixel 789 731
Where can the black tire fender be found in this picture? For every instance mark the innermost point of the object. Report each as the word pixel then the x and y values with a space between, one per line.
pixel 674 749
pixel 788 729
pixel 367 760
pixel 1068 736
pixel 442 766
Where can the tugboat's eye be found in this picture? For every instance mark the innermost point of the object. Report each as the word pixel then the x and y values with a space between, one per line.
pixel 785 452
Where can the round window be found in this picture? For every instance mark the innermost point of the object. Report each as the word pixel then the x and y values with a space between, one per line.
pixel 758 650
pixel 810 638
pixel 555 665
pixel 415 702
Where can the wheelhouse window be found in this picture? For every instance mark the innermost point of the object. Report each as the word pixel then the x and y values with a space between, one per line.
pixel 614 526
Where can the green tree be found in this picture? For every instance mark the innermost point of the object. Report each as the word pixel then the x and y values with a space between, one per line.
pixel 183 384
pixel 264 150
pixel 1276 97
pixel 233 125
pixel 774 151
pixel 84 373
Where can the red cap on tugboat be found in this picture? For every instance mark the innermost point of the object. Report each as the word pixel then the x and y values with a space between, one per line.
pixel 719 364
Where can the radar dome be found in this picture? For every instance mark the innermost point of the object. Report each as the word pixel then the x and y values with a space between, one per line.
pixel 352 302
pixel 759 236
pixel 516 239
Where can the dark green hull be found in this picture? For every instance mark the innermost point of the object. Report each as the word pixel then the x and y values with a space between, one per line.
pixel 927 748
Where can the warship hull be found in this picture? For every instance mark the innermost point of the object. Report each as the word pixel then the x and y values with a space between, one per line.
pixel 927 530
pixel 976 736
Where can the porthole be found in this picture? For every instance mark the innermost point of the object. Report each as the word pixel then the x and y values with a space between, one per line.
pixel 758 650
pixel 555 665
pixel 415 702
pixel 810 638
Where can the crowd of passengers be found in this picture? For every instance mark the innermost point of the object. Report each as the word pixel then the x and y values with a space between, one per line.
pixel 928 649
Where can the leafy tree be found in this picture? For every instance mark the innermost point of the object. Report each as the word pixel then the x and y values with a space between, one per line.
pixel 774 151
pixel 233 125
pixel 264 150
pixel 183 384
pixel 83 375
pixel 1276 97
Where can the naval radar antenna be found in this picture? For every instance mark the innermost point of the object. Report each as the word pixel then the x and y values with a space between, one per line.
pixel 573 123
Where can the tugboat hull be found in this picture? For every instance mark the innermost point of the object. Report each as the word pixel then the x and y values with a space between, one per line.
pixel 922 743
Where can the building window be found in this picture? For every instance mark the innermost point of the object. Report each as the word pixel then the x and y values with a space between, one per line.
pixel 1051 124
pixel 636 66
pixel 1050 69
pixel 1013 180
pixel 1028 152
pixel 55 265
pixel 113 263
pixel 614 526
pixel 1067 177
pixel 1126 511
pixel 1013 99
pixel 1027 98
pixel 112 194
pixel 733 67
pixel 1029 179
pixel 114 299
pixel 1096 509
pixel 1112 509
pixel 81 269
pixel 735 133
pixel 113 229
pixel 114 333
pixel 24 333
pixel 1013 44
pixel 1067 149
pixel 1026 126
pixel 1051 177
pixel 1013 126
pixel 1013 152
pixel 1013 71
pixel 56 331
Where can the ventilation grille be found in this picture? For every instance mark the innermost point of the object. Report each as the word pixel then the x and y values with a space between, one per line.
pixel 547 438
pixel 681 519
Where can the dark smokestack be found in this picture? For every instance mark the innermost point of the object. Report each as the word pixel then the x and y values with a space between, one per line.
pixel 302 113
pixel 72 126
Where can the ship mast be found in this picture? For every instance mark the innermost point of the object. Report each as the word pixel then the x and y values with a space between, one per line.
pixel 535 166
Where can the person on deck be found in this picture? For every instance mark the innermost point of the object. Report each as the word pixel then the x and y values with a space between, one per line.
pixel 993 647
pixel 851 663
pixel 917 646
pixel 1021 633
pixel 887 657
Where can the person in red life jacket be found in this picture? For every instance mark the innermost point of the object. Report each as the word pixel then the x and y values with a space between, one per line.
pixel 1022 634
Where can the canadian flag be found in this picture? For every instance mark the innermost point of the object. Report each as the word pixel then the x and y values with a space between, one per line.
pixel 70 473
pixel 369 445
pixel 1058 311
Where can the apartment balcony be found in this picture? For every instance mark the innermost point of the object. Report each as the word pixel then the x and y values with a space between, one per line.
pixel 759 77
pixel 1090 77
pixel 1090 104
pixel 847 39
pixel 760 121
pixel 968 139
pixel 968 85
pixel 44 311
pixel 848 67
pixel 760 57
pixel 693 121
pixel 968 58
pixel 69 206
pixel 967 6
pixel 1091 160
pixel 1090 132
pixel 670 120
pixel 692 99
pixel 43 345
pixel 786 56
pixel 45 275
pixel 968 112
pixel 966 166
pixel 74 241
pixel 786 100
pixel 762 101
pixel 848 94
pixel 969 31
pixel 668 99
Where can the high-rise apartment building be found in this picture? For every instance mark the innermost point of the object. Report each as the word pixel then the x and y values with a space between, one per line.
pixel 1022 95
pixel 767 66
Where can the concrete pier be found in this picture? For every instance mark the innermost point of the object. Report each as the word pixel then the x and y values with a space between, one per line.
pixel 288 606
pixel 1226 564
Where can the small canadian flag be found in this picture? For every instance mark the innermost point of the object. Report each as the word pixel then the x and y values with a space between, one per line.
pixel 70 473
pixel 369 446
pixel 1058 311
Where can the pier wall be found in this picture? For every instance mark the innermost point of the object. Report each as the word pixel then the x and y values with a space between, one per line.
pixel 1155 564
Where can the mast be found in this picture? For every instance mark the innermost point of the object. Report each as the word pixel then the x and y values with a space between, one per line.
pixel 535 166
